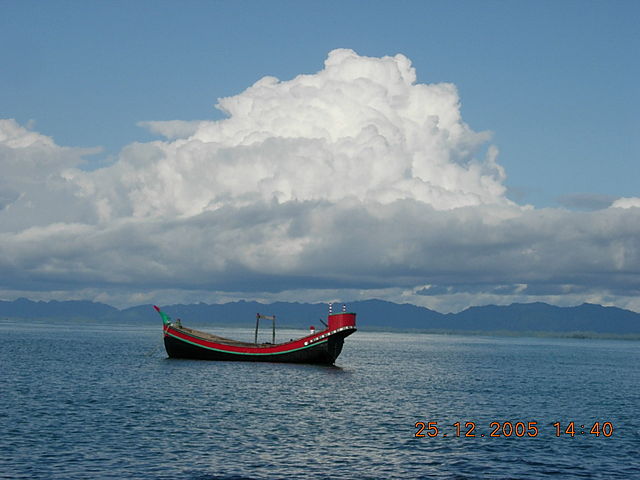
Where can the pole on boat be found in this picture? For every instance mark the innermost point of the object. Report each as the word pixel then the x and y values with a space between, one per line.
pixel 266 317
pixel 257 322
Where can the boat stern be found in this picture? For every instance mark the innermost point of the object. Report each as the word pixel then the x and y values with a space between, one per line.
pixel 336 321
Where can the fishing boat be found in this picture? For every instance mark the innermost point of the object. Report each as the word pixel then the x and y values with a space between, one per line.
pixel 319 347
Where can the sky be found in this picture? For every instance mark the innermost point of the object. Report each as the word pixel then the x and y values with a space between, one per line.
pixel 445 154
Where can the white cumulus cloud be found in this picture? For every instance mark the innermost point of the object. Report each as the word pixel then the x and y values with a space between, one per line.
pixel 626 202
pixel 356 179
pixel 360 128
pixel 34 188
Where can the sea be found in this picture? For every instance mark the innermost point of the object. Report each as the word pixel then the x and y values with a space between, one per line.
pixel 88 400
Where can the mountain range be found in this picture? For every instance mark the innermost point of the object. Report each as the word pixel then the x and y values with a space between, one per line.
pixel 372 314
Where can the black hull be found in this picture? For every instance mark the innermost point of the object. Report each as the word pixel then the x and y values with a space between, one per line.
pixel 324 353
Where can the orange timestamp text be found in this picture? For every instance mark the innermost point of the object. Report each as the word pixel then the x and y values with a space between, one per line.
pixel 511 429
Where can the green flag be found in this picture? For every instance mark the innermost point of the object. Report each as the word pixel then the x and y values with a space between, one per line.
pixel 166 319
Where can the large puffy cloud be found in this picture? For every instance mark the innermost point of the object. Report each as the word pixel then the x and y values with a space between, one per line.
pixel 360 128
pixel 355 181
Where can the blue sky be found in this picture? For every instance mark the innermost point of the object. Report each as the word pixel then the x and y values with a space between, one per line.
pixel 555 83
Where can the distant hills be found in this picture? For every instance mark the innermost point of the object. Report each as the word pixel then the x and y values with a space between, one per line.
pixel 584 320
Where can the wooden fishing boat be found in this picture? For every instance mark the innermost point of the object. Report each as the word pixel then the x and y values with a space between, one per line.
pixel 322 347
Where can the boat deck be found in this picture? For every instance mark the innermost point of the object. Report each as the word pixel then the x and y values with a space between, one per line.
pixel 226 341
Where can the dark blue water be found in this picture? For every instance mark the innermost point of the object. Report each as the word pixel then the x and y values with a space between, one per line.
pixel 90 401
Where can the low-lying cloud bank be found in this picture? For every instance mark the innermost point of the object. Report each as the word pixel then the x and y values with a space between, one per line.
pixel 350 183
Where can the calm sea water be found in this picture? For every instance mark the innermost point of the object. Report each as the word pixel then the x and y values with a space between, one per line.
pixel 90 401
